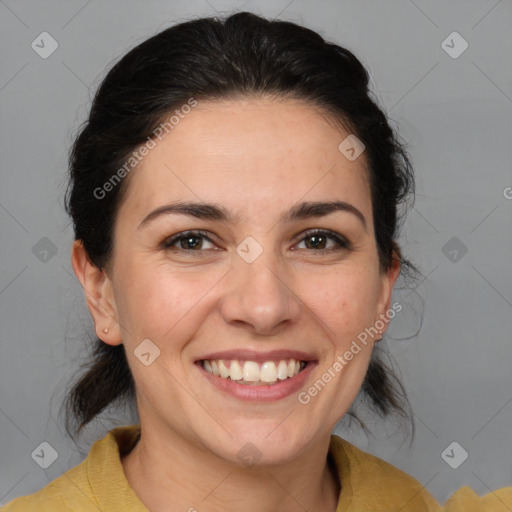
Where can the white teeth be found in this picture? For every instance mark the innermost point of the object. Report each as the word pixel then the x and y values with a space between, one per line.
pixel 251 372
pixel 268 372
pixel 224 372
pixel 282 370
pixel 235 371
pixel 291 368
pixel 215 368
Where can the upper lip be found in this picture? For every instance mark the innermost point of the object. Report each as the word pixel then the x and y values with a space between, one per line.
pixel 259 357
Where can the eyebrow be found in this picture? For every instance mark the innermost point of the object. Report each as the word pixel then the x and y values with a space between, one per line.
pixel 210 211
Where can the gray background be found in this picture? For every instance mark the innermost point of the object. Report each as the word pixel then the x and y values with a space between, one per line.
pixel 456 115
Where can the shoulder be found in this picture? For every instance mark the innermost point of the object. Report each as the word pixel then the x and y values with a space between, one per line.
pixel 374 482
pixel 71 487
pixel 466 500
pixel 95 484
pixel 366 474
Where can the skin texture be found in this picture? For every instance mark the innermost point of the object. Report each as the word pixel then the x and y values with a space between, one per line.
pixel 257 158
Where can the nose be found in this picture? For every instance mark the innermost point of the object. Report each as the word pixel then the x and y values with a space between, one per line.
pixel 259 298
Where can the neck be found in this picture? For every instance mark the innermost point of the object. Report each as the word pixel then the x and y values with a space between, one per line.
pixel 164 470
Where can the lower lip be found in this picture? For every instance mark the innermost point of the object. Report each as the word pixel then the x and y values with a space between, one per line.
pixel 263 393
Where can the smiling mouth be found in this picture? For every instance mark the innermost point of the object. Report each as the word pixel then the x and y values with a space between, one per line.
pixel 252 373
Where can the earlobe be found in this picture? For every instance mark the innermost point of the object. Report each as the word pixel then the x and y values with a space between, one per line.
pixel 99 295
pixel 388 281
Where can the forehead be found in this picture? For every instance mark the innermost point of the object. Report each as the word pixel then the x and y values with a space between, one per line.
pixel 252 154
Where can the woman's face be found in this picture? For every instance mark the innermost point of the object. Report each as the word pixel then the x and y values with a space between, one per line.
pixel 255 286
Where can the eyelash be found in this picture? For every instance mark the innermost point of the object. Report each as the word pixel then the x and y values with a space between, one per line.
pixel 343 243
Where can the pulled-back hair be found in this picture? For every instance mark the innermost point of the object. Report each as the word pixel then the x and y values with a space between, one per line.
pixel 243 55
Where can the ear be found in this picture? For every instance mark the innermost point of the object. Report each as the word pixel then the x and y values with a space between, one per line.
pixel 99 295
pixel 388 279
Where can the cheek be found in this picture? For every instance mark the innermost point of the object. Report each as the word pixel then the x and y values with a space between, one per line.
pixel 345 303
pixel 155 300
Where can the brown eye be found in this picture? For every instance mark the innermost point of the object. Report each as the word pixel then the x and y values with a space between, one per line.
pixel 324 241
pixel 188 241
pixel 316 241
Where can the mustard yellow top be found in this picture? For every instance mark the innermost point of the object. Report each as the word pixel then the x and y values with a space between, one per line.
pixel 369 484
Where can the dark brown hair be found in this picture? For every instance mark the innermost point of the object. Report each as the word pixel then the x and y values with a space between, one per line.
pixel 212 58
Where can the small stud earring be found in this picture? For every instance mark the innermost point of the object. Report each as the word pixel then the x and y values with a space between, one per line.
pixel 105 330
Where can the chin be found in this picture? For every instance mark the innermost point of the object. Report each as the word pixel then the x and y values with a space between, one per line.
pixel 261 447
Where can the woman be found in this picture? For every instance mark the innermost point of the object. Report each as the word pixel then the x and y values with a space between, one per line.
pixel 234 195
